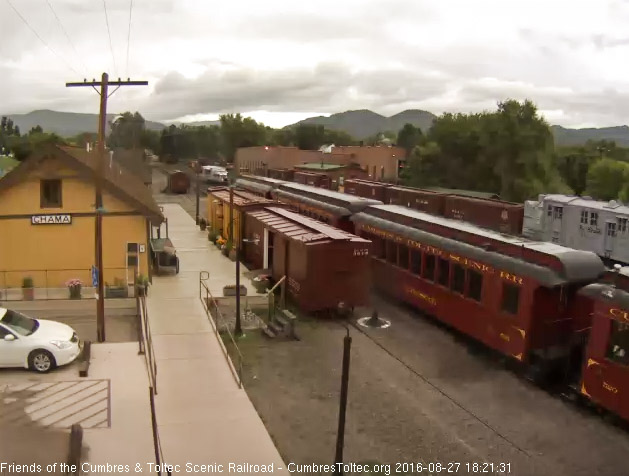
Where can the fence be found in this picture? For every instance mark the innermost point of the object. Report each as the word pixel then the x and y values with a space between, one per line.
pixel 216 318
pixel 26 285
pixel 157 443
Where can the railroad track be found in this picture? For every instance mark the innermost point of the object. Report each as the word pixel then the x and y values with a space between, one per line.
pixel 436 387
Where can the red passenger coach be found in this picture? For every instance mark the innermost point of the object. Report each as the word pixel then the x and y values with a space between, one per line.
pixel 505 217
pixel 261 186
pixel 511 304
pixel 328 206
pixel 605 368
pixel 323 265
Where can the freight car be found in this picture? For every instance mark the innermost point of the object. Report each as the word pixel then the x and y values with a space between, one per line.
pixel 281 174
pixel 330 207
pixel 323 266
pixel 311 178
pixel 581 223
pixel 262 186
pixel 366 189
pixel 498 215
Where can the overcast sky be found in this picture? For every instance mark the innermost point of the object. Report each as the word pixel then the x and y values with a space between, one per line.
pixel 282 60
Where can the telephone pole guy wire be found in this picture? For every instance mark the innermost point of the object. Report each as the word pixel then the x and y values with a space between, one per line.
pixel 111 48
pixel 65 32
pixel 40 38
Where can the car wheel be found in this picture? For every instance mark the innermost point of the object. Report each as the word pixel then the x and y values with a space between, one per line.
pixel 41 361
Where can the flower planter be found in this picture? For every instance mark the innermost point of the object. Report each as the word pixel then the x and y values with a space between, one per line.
pixel 202 225
pixel 75 292
pixel 231 290
pixel 142 290
pixel 261 286
pixel 232 255
pixel 115 292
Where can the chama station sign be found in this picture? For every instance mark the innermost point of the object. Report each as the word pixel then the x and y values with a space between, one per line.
pixel 51 219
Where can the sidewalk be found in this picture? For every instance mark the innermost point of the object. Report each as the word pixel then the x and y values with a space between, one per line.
pixel 203 416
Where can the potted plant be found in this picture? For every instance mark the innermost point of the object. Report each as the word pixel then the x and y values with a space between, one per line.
pixel 28 292
pixel 212 236
pixel 74 286
pixel 230 290
pixel 118 290
pixel 221 242
pixel 142 285
pixel 202 224
pixel 227 247
pixel 261 283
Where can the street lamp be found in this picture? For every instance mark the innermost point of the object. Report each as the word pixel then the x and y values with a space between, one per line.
pixel 238 329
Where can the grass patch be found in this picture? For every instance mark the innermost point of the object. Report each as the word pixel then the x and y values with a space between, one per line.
pixel 7 163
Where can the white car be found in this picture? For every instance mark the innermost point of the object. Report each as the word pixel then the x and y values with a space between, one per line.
pixel 35 344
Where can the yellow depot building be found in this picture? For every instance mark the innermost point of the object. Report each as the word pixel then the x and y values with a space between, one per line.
pixel 48 221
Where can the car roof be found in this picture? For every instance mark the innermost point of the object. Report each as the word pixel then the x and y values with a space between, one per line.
pixel 3 311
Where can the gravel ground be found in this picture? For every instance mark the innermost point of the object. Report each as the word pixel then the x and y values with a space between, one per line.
pixel 418 394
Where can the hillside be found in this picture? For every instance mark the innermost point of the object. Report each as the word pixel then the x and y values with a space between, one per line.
pixel 66 124
pixel 565 136
pixel 364 123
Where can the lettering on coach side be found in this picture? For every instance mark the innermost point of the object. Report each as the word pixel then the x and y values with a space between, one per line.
pixel 510 277
pixel 415 292
pixel 619 313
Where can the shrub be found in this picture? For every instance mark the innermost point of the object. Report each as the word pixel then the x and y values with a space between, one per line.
pixel 27 282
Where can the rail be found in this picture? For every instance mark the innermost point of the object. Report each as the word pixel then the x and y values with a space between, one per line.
pixel 157 442
pixel 216 318
pixel 145 341
pixel 50 284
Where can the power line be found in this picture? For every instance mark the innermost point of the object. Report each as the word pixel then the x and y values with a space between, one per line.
pixel 111 48
pixel 67 36
pixel 129 36
pixel 40 38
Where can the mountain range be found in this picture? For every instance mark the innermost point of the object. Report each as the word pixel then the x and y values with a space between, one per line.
pixel 359 124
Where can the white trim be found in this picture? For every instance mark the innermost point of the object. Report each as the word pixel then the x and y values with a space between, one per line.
pixel 265 259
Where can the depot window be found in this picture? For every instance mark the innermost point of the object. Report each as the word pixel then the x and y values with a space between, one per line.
pixel 594 219
pixel 618 349
pixel 458 278
pixel 510 298
pixel 416 262
pixel 50 193
pixel 429 268
pixel 475 289
pixel 444 272
pixel 402 256
pixel 584 217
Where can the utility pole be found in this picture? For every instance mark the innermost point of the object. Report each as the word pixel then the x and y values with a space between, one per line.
pixel 104 84
pixel 340 435
pixel 238 328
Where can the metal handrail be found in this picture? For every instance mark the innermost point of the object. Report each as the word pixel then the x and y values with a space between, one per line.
pixel 157 442
pixel 214 319
pixel 147 342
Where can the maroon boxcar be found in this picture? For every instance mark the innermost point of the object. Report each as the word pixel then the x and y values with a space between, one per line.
pixel 507 302
pixel 312 179
pixel 281 174
pixel 604 376
pixel 323 265
pixel 328 206
pixel 366 189
pixel 416 198
pixel 178 182
pixel 505 217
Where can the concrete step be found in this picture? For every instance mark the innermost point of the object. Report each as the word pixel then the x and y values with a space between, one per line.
pixel 276 328
pixel 268 332
pixel 281 320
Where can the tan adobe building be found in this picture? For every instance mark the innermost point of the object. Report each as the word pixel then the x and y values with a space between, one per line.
pixel 379 162
pixel 47 221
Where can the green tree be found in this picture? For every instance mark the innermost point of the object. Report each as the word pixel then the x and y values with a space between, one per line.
pixel 606 178
pixel 409 137
pixel 126 131
pixel 35 130
pixel 310 136
pixel 23 146
pixel 237 131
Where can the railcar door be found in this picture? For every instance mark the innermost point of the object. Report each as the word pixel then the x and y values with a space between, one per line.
pixel 610 238
pixel 557 220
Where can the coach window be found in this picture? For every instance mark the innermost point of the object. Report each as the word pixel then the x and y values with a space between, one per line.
pixel 391 252
pixel 402 256
pixel 510 298
pixel 429 267
pixel 458 278
pixel 593 218
pixel 444 272
pixel 475 285
pixel 416 262
pixel 618 350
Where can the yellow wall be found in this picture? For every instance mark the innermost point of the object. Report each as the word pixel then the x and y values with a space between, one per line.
pixel 52 254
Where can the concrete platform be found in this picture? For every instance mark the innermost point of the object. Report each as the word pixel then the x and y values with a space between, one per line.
pixel 203 416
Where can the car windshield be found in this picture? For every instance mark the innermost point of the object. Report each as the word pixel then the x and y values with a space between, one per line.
pixel 19 323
